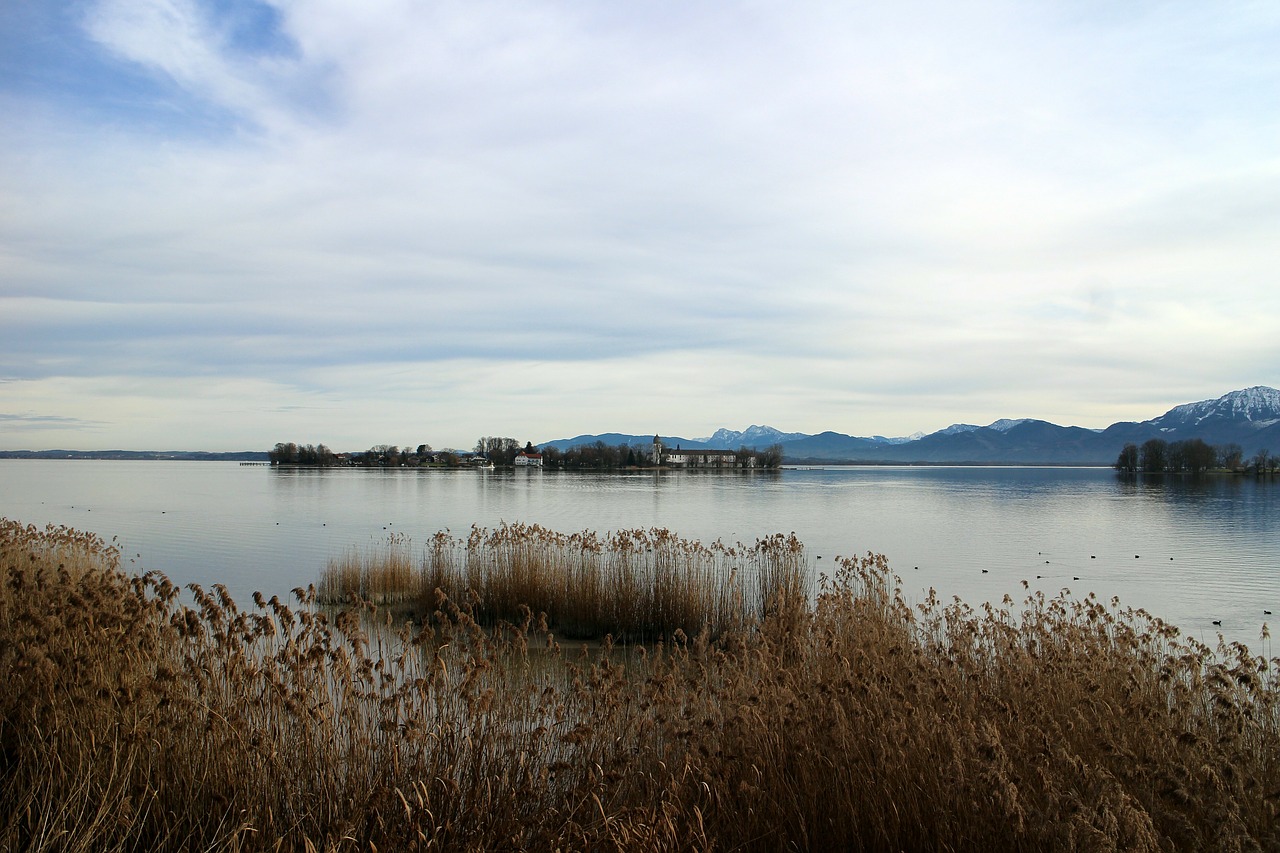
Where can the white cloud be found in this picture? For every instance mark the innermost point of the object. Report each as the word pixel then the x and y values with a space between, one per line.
pixel 875 220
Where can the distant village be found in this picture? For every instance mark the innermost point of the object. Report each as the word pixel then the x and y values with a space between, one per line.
pixel 494 452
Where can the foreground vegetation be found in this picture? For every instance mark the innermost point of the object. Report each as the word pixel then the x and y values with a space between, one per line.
pixel 136 718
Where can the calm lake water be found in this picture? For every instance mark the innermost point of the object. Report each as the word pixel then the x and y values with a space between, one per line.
pixel 1189 551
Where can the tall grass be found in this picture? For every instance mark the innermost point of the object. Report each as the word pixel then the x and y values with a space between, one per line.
pixel 632 585
pixel 383 575
pixel 134 721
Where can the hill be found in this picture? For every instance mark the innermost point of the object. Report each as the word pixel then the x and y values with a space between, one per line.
pixel 1249 417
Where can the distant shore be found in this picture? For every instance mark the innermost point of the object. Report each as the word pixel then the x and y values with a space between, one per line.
pixel 262 457
pixel 157 455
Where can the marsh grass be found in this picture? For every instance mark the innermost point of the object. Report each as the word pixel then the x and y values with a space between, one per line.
pixel 136 718
pixel 383 575
pixel 632 585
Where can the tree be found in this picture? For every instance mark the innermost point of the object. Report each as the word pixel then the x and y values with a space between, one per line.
pixel 1262 461
pixel 283 452
pixel 773 456
pixel 381 455
pixel 1197 455
pixel 1231 456
pixel 1155 455
pixel 499 451
pixel 301 454
pixel 1127 461
pixel 552 457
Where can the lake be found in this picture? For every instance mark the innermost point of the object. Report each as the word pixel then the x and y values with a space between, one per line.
pixel 1188 550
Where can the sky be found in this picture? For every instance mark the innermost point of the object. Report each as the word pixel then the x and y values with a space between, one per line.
pixel 227 223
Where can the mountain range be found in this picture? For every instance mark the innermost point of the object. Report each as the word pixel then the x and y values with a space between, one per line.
pixel 1249 417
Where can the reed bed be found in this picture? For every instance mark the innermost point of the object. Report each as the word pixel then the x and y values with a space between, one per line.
pixel 632 585
pixel 383 575
pixel 139 718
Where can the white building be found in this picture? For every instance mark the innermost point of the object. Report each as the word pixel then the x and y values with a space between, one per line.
pixel 698 458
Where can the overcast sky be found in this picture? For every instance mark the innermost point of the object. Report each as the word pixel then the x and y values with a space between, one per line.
pixel 227 224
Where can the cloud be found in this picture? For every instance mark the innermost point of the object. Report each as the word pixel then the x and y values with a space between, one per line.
pixel 875 220
pixel 235 59
pixel 8 419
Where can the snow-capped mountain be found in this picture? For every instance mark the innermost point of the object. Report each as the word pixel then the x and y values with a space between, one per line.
pixel 752 436
pixel 956 429
pixel 1249 417
pixel 1006 424
pixel 902 439
pixel 1002 425
pixel 1259 406
pixel 760 436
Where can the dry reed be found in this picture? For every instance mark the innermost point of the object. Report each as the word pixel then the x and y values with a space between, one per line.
pixel 633 585
pixel 136 718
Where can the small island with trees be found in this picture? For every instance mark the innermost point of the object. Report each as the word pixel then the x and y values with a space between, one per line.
pixel 502 452
pixel 1192 456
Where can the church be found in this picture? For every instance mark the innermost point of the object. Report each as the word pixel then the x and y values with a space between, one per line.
pixel 678 458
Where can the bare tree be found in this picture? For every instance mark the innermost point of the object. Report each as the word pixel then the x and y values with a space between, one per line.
pixel 1198 455
pixel 1127 461
pixel 499 451
pixel 771 456
pixel 1155 454
pixel 1231 456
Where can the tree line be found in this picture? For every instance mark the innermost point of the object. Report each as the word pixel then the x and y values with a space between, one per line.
pixel 500 451
pixel 378 456
pixel 288 453
pixel 1191 456
pixel 603 457
pixel 598 456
